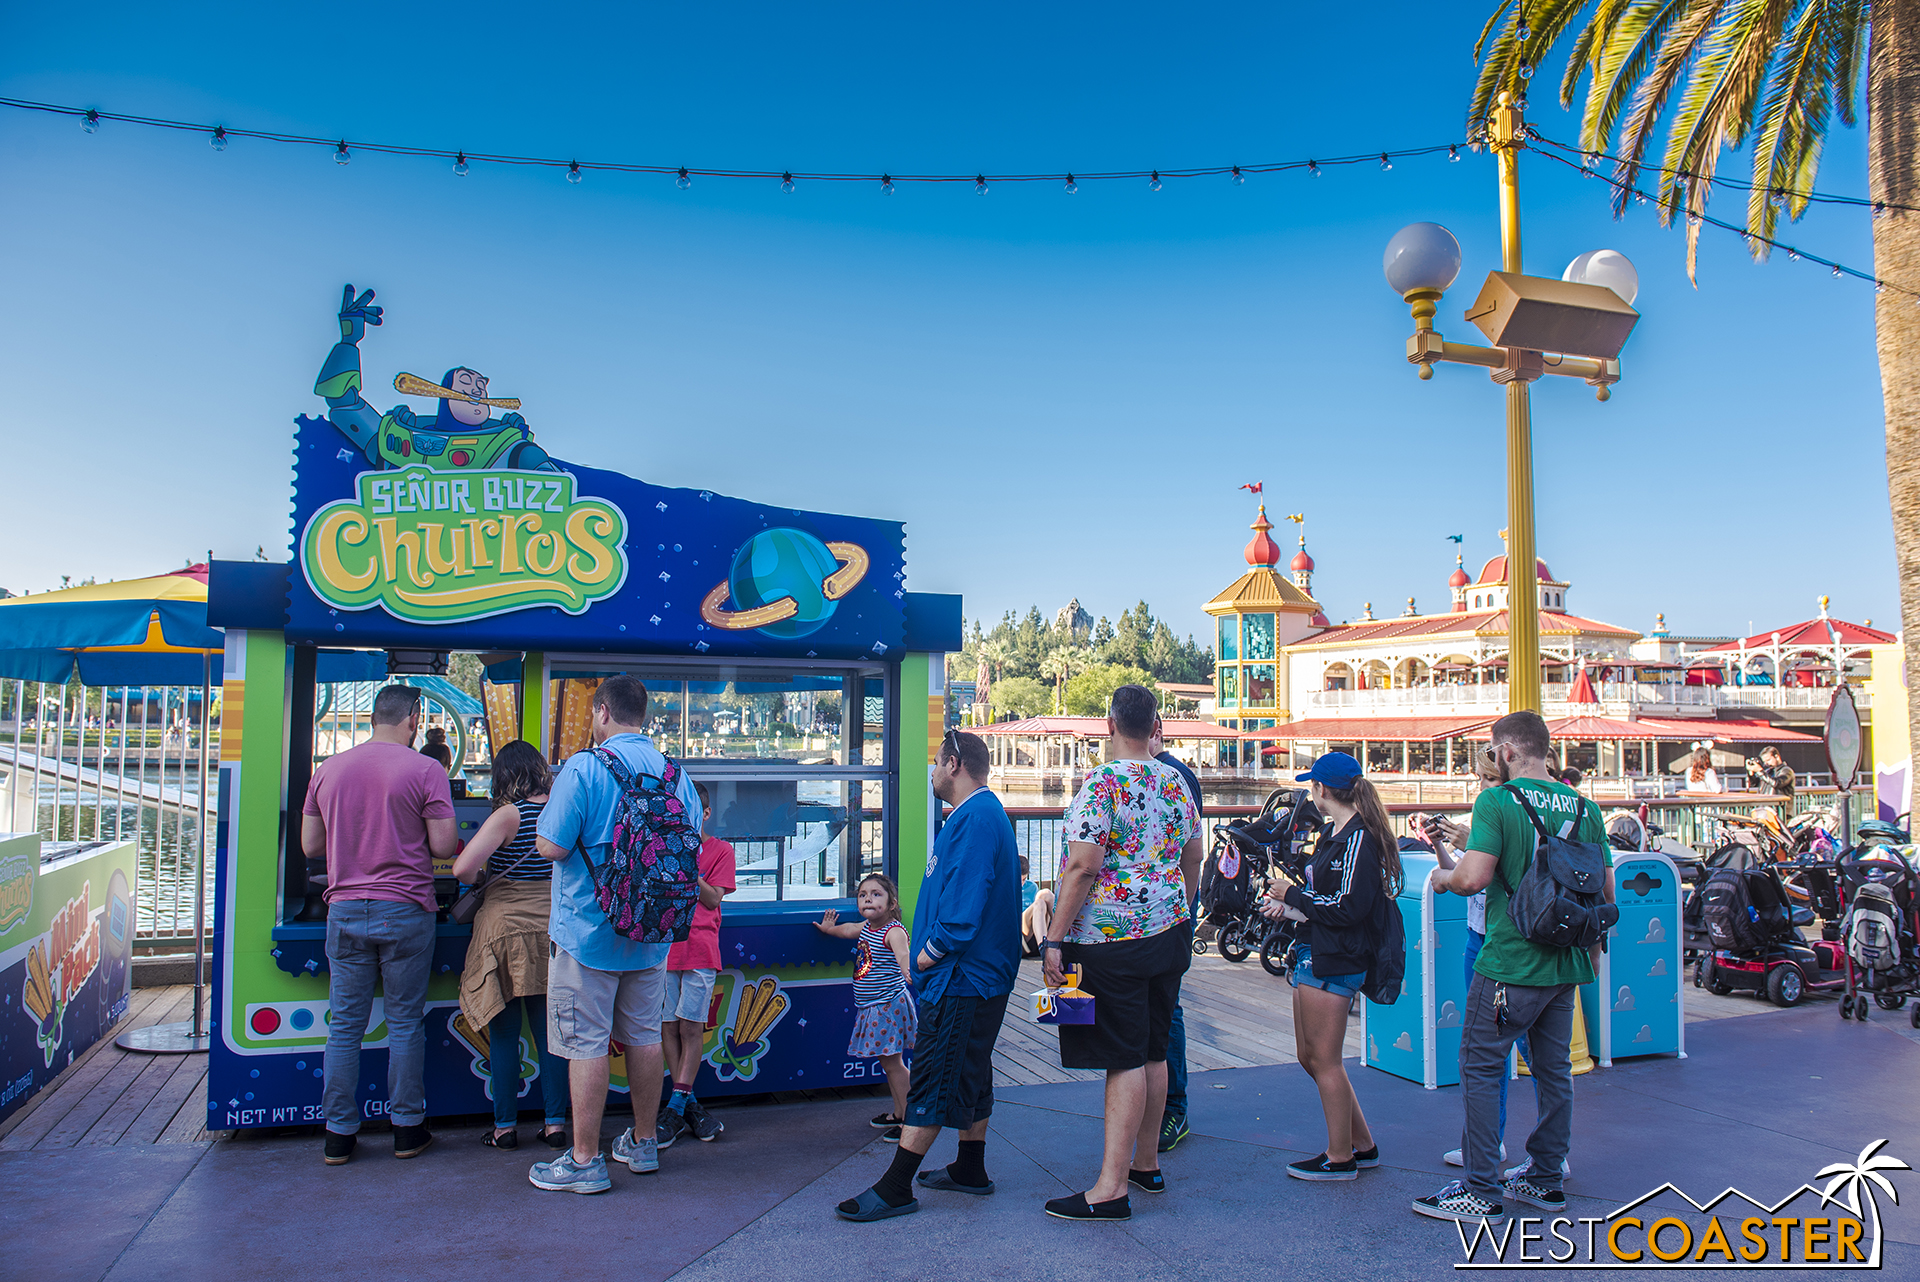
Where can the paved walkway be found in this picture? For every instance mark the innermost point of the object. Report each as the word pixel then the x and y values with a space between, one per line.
pixel 1765 1100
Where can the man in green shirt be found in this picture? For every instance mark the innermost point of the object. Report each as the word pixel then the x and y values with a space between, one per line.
pixel 1519 987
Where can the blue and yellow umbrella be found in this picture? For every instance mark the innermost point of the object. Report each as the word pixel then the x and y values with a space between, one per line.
pixel 138 632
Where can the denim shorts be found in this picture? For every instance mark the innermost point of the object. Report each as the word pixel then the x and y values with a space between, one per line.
pixel 1344 985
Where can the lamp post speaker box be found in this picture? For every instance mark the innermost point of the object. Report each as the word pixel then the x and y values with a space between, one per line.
pixel 1542 315
pixel 1418 1037
pixel 1639 1007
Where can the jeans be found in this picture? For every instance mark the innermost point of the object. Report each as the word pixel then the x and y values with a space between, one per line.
pixel 1177 1063
pixel 503 1063
pixel 1475 941
pixel 375 942
pixel 1545 1016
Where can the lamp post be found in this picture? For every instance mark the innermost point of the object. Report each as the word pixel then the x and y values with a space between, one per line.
pixel 1574 327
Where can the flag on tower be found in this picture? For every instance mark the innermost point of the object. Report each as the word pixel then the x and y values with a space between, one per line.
pixel 1255 487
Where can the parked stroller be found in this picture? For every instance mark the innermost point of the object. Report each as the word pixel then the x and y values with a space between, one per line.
pixel 1244 855
pixel 1879 935
pixel 1754 932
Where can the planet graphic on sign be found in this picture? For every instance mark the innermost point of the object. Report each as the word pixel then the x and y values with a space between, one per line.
pixel 785 583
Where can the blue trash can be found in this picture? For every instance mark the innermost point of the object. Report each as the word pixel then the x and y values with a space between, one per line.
pixel 1637 1004
pixel 1418 1037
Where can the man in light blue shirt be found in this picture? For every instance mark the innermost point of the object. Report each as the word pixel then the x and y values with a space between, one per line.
pixel 601 986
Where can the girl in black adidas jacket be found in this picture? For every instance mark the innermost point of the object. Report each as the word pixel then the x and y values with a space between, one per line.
pixel 1353 872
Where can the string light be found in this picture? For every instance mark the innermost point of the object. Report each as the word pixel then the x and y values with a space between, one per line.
pixel 1776 196
pixel 786 183
pixel 573 171
pixel 1526 71
pixel 219 139
pixel 1754 240
pixel 886 184
pixel 1453 155
pixel 91 118
pixel 460 164
pixel 979 184
pixel 1072 186
pixel 1384 162
pixel 1154 185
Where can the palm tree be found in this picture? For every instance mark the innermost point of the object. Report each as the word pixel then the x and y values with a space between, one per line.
pixel 991 656
pixel 1862 1176
pixel 1062 665
pixel 1769 73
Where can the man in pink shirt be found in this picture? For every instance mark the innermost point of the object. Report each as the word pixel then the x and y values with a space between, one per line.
pixel 379 814
pixel 692 967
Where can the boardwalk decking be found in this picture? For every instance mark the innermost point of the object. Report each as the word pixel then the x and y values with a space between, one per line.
pixel 111 1096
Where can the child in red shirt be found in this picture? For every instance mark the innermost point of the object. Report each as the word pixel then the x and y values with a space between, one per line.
pixel 691 968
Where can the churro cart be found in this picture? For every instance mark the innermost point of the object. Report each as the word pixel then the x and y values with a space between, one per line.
pixel 788 669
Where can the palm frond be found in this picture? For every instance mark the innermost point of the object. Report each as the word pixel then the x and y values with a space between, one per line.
pixel 1547 21
pixel 1786 152
pixel 1642 28
pixel 1844 1175
pixel 1886 1185
pixel 1851 58
pixel 1493 20
pixel 1676 54
pixel 1585 54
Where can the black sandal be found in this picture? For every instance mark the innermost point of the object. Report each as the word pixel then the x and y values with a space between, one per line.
pixel 555 1139
pixel 493 1139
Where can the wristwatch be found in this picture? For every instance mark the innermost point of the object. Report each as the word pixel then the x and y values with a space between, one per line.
pixel 1051 943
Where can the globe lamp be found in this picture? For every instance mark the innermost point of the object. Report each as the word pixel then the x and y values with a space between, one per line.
pixel 1421 257
pixel 1608 268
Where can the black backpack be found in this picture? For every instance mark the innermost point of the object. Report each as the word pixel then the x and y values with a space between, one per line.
pixel 1226 883
pixel 1742 910
pixel 1560 902
pixel 1388 968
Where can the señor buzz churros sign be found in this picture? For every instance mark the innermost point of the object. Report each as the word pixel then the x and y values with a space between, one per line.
pixel 435 547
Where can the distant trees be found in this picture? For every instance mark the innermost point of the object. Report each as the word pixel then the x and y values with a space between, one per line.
pixel 1083 665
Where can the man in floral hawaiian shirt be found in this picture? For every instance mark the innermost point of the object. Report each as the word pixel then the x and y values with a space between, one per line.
pixel 1133 856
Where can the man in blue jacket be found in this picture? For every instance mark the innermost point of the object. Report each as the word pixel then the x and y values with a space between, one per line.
pixel 966 951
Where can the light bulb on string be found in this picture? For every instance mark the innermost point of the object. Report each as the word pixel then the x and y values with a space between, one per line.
pixel 340 153
pixel 786 183
pixel 1072 186
pixel 1453 154
pixel 1313 169
pixel 1239 179
pixel 459 164
pixel 886 184
pixel 979 184
pixel 1384 162
pixel 1879 287
pixel 1793 255
pixel 219 139
pixel 1526 71
pixel 1525 33
pixel 91 121
pixel 1777 198
pixel 1837 273
pixel 573 171
pixel 1879 210
pixel 683 181
pixel 1153 184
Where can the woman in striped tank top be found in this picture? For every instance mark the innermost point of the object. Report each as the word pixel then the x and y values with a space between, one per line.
pixel 506 967
pixel 885 1018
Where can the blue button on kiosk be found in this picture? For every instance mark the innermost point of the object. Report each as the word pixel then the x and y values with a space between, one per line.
pixel 1418 1037
pixel 1637 1006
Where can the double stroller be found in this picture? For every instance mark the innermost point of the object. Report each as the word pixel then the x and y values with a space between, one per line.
pixel 1244 855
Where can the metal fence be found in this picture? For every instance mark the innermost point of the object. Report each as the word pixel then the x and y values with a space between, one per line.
pixel 1040 830
pixel 85 764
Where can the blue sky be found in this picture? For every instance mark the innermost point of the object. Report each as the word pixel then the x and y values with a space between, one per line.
pixel 1058 394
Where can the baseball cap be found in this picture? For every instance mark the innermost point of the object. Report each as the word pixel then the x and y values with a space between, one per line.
pixel 1333 769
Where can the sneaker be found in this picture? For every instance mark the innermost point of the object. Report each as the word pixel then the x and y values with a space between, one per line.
pixel 1173 1129
pixel 891 1135
pixel 1454 1157
pixel 1525 1169
pixel 641 1156
pixel 564 1175
pixel 411 1141
pixel 1319 1168
pixel 668 1126
pixel 1366 1157
pixel 1527 1191
pixel 882 1121
pixel 1458 1202
pixel 705 1127
pixel 340 1148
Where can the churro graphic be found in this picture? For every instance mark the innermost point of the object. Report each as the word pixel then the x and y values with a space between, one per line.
pixel 40 995
pixel 759 1008
pixel 466 1032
